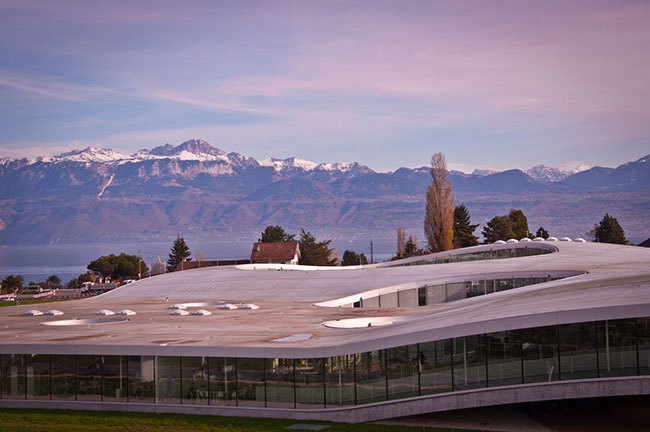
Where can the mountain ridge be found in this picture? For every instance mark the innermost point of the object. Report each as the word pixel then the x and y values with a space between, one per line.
pixel 102 195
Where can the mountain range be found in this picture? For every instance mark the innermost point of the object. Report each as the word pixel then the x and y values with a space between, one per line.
pixel 98 194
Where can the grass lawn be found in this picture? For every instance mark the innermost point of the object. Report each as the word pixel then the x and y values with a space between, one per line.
pixel 28 302
pixel 64 420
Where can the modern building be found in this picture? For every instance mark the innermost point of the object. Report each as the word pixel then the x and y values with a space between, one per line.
pixel 481 326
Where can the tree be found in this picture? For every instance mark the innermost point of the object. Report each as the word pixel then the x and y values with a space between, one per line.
pixel 498 228
pixel 411 247
pixel 275 234
pixel 313 252
pixel 608 231
pixel 463 229
pixel 351 258
pixel 401 242
pixel 439 216
pixel 180 252
pixel 157 267
pixel 118 267
pixel 53 280
pixel 541 232
pixel 12 283
pixel 519 224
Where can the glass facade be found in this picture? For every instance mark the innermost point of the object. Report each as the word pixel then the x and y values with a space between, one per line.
pixel 490 254
pixel 434 294
pixel 564 352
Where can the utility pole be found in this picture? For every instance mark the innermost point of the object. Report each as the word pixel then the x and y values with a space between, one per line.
pixel 139 265
pixel 372 260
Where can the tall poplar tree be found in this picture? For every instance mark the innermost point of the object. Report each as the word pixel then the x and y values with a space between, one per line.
pixel 439 216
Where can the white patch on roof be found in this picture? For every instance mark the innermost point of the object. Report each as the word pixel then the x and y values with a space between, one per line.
pixel 294 338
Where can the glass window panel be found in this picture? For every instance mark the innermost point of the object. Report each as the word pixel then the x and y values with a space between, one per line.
pixel 388 300
pixel 310 390
pixel 539 347
pixel 89 377
pixel 503 284
pixel 408 298
pixel 250 381
pixel 194 380
pixel 141 383
pixel 223 381
pixel 371 302
pixel 435 367
pixel 643 334
pixel 13 376
pixel 371 377
pixel 114 386
pixel 455 291
pixel 339 380
pixel 504 358
pixel 402 371
pixel 578 351
pixel 617 347
pixel 469 362
pixel 474 288
pixel 279 383
pixel 168 379
pixel 436 294
pixel 489 286
pixel 64 381
pixel 38 376
pixel 422 296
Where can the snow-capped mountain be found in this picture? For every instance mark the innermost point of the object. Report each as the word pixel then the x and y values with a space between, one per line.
pixel 87 155
pixel 483 172
pixel 545 174
pixel 101 194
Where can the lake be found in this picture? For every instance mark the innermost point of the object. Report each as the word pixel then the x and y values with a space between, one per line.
pixel 36 263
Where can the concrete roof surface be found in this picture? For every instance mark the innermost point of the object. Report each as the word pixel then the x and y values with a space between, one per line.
pixel 615 284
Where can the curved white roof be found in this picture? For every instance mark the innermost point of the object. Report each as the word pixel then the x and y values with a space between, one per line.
pixel 601 282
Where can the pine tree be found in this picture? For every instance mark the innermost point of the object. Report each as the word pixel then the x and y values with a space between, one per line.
pixel 439 216
pixel 498 228
pixel 180 252
pixel 463 229
pixel 541 232
pixel 313 252
pixel 609 231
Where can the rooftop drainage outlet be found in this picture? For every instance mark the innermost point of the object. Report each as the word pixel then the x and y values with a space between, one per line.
pixel 88 321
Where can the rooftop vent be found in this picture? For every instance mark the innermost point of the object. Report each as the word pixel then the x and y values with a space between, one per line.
pixel 565 239
pixel 201 312
pixel 249 306
pixel 512 241
pixel 179 312
pixel 33 312
pixel 538 239
pixel 53 312
pixel 579 240
pixel 105 312
pixel 499 242
pixel 125 312
pixel 525 240
pixel 228 306
pixel 551 239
